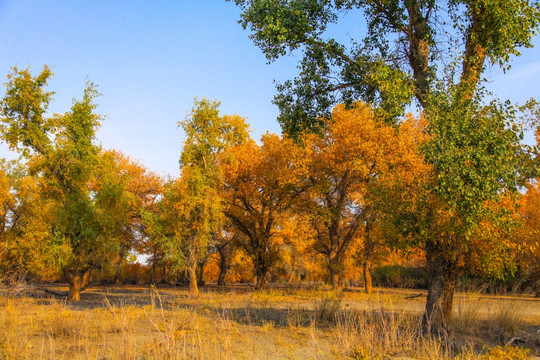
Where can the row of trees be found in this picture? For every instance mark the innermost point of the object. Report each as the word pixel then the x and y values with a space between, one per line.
pixel 424 53
pixel 351 192
pixel 70 206
pixel 343 177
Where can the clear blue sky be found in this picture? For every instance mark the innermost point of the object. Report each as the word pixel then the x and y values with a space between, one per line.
pixel 151 58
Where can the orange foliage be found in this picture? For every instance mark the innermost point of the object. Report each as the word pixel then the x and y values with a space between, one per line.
pixel 350 169
pixel 261 183
pixel 528 234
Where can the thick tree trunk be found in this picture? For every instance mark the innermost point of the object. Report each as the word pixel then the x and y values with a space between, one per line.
pixel 200 272
pixel 153 274
pixel 77 283
pixel 193 288
pixel 223 265
pixel 419 50
pixel 536 282
pixel 475 54
pixel 437 318
pixel 118 266
pixel 261 278
pixel 368 282
pixel 335 269
pixel 193 263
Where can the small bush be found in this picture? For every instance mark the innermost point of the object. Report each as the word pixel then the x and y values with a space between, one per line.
pixel 507 319
pixel 327 307
pixel 498 353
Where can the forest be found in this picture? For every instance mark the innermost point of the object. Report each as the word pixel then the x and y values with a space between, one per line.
pixel 396 169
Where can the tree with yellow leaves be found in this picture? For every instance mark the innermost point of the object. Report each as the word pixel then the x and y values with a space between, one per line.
pixel 65 162
pixel 348 167
pixel 26 249
pixel 142 188
pixel 191 209
pixel 261 183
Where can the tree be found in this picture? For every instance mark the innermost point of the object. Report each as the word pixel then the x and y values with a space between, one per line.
pixel 66 162
pixel 192 204
pixel 141 188
pixel 224 243
pixel 261 183
pixel 348 165
pixel 475 158
pixel 528 234
pixel 403 58
pixel 25 232
pixel 400 59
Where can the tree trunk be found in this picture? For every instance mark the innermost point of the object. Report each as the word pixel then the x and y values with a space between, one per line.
pixel 193 288
pixel 153 276
pixel 200 271
pixel 368 282
pixel 77 283
pixel 335 270
pixel 261 279
pixel 118 266
pixel 536 282
pixel 223 265
pixel 475 54
pixel 437 318
pixel 293 277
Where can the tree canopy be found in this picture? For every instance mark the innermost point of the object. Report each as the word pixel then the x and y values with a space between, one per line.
pixel 89 205
pixel 402 56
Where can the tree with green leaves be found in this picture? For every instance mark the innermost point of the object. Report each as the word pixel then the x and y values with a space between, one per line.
pixel 142 188
pixel 191 210
pixel 424 52
pixel 405 48
pixel 66 163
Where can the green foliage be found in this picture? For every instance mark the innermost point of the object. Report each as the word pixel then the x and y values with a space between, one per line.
pixel 191 209
pixel 23 126
pixel 405 49
pixel 505 25
pixel 88 200
pixel 475 151
pixel 208 134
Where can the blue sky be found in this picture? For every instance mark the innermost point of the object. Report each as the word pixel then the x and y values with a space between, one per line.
pixel 151 58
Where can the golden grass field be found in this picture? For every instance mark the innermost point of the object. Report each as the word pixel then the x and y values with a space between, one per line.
pixel 143 322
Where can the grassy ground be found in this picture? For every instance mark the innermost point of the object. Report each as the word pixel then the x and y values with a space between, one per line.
pixel 138 322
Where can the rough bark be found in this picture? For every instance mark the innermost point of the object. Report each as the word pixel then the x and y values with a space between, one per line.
pixel 200 271
pixel 261 278
pixel 437 318
pixel 335 274
pixel 118 266
pixel 368 281
pixel 193 287
pixel 536 282
pixel 418 54
pixel 475 54
pixel 223 265
pixel 78 281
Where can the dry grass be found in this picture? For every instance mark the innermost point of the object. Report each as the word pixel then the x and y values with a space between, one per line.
pixel 114 323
